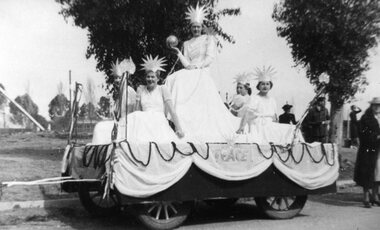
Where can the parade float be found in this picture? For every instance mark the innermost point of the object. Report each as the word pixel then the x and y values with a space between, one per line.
pixel 162 181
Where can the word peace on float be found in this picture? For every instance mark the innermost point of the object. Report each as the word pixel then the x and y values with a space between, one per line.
pixel 232 155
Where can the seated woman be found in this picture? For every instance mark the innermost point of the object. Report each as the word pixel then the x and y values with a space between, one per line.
pixel 203 114
pixel 148 122
pixel 261 116
pixel 242 96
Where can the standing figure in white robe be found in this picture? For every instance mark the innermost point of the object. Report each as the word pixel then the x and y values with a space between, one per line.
pixel 261 116
pixel 203 115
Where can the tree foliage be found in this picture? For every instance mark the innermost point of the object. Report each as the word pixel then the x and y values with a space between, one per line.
pixel 104 107
pixel 88 111
pixel 27 103
pixel 124 28
pixel 333 37
pixel 59 111
pixel 58 106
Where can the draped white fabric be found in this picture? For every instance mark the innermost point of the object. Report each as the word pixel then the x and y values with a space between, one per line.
pixel 201 111
pixel 134 179
pixel 233 163
pixel 142 170
pixel 306 170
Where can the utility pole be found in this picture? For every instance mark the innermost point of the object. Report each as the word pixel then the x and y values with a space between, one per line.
pixel 70 106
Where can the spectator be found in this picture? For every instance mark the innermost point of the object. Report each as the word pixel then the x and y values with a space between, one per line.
pixel 317 122
pixel 287 117
pixel 367 166
pixel 354 129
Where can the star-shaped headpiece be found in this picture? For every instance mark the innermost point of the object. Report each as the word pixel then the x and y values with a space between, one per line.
pixel 264 74
pixel 243 78
pixel 197 14
pixel 127 65
pixel 153 64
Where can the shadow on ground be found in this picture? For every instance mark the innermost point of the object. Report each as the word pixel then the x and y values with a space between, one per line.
pixel 350 196
pixel 77 218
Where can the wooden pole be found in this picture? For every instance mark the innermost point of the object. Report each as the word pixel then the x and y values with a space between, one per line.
pixel 70 105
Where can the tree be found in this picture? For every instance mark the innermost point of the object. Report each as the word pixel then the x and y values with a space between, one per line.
pixel 58 106
pixel 122 29
pixel 58 111
pixel 90 97
pixel 83 111
pixel 104 107
pixel 332 37
pixel 88 111
pixel 42 120
pixel 27 103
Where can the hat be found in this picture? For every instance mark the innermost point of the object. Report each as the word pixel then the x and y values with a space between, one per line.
pixel 153 64
pixel 197 14
pixel 243 78
pixel 375 101
pixel 264 74
pixel 355 108
pixel 286 107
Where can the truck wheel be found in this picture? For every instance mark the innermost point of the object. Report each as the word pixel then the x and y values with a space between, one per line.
pixel 281 207
pixel 91 197
pixel 163 215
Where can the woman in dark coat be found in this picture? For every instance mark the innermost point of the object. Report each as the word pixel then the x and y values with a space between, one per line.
pixel 369 135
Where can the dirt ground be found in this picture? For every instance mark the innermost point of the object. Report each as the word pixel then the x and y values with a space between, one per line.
pixel 32 156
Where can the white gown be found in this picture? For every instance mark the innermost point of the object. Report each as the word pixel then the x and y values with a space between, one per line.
pixel 238 104
pixel 261 111
pixel 150 124
pixel 144 126
pixel 103 129
pixel 199 107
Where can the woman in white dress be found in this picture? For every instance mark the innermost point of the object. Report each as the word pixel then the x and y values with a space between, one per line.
pixel 148 122
pixel 242 96
pixel 203 115
pixel 261 116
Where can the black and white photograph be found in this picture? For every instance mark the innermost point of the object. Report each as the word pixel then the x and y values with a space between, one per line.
pixel 189 114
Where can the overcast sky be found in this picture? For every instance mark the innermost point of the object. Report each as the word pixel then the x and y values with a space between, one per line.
pixel 38 48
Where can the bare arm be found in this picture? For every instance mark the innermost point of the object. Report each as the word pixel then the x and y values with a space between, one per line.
pixel 243 122
pixel 173 115
pixel 182 57
pixel 170 109
pixel 137 106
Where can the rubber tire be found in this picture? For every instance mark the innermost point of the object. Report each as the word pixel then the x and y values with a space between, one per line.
pixel 292 211
pixel 221 203
pixel 93 208
pixel 152 223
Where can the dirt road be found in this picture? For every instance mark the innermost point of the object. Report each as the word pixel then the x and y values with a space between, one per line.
pixel 338 211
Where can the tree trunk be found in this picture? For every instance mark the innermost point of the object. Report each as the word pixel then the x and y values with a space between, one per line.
pixel 336 124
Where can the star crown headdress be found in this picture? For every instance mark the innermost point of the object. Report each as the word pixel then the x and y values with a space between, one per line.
pixel 153 64
pixel 119 68
pixel 197 14
pixel 265 74
pixel 243 78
